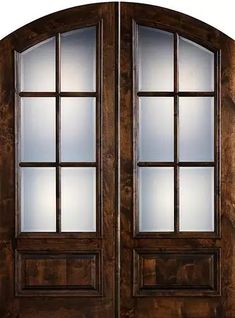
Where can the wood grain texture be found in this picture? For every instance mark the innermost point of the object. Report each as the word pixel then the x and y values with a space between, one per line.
pixel 177 272
pixel 114 239
pixel 176 306
pixel 59 274
pixel 12 306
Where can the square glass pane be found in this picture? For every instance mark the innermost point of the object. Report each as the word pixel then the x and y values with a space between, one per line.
pixel 78 60
pixel 78 129
pixel 156 199
pixel 78 199
pixel 196 128
pixel 38 200
pixel 156 129
pixel 37 129
pixel 37 67
pixel 196 199
pixel 196 67
pixel 155 59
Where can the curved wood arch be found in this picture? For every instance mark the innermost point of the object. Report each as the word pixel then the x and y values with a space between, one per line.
pixel 117 93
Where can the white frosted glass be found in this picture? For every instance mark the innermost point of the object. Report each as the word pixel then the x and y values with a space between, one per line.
pixel 156 129
pixel 38 200
pixel 196 128
pixel 196 67
pixel 155 59
pixel 78 129
pixel 156 199
pixel 37 129
pixel 37 67
pixel 78 199
pixel 196 199
pixel 78 60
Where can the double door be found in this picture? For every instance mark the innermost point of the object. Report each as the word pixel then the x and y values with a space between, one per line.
pixel 116 177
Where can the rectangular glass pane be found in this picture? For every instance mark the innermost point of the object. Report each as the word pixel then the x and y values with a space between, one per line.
pixel 156 129
pixel 37 67
pixel 155 59
pixel 196 67
pixel 37 129
pixel 38 200
pixel 78 129
pixel 196 128
pixel 78 199
pixel 156 199
pixel 197 199
pixel 78 60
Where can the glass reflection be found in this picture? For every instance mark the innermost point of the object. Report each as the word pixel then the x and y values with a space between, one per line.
pixel 196 199
pixel 37 67
pixel 196 67
pixel 78 199
pixel 37 129
pixel 156 129
pixel 156 199
pixel 78 129
pixel 196 128
pixel 38 200
pixel 78 60
pixel 155 59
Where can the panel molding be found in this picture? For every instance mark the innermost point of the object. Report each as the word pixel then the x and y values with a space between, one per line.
pixel 66 273
pixel 176 272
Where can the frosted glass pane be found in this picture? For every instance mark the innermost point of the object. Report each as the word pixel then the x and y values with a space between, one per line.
pixel 196 128
pixel 197 199
pixel 196 67
pixel 78 199
pixel 156 199
pixel 37 129
pixel 37 67
pixel 156 129
pixel 38 200
pixel 78 60
pixel 155 59
pixel 78 129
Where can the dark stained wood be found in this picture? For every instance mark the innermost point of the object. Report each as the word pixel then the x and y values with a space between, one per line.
pixel 177 272
pixel 88 301
pixel 117 238
pixel 215 306
pixel 175 93
pixel 59 274
pixel 56 94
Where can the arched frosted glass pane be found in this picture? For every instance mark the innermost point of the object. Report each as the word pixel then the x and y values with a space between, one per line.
pixel 156 199
pixel 196 67
pixel 196 128
pixel 78 60
pixel 37 67
pixel 78 199
pixel 155 59
pixel 78 129
pixel 38 200
pixel 197 199
pixel 156 129
pixel 37 129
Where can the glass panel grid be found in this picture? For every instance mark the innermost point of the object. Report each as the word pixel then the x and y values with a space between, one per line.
pixel 44 155
pixel 206 139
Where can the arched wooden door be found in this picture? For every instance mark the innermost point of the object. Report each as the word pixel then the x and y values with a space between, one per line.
pixel 116 166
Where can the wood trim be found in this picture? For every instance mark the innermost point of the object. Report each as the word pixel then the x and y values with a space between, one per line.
pixel 61 290
pixel 174 289
pixel 58 164
pixel 176 164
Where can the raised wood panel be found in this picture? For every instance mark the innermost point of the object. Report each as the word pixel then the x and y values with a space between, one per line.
pixel 176 272
pixel 69 273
